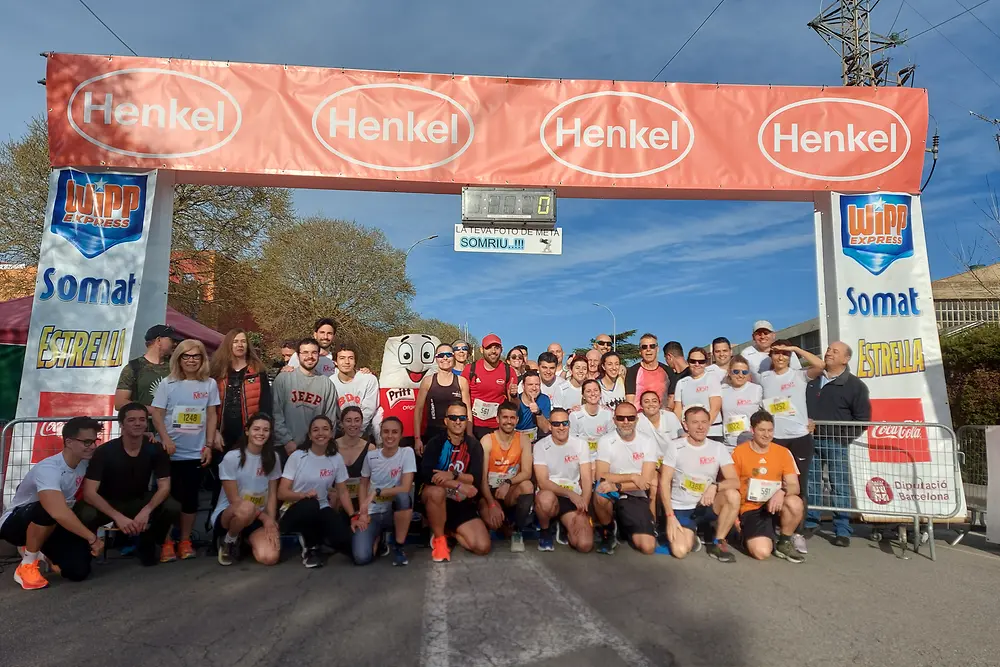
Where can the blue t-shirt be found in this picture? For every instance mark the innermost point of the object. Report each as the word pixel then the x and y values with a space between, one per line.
pixel 526 420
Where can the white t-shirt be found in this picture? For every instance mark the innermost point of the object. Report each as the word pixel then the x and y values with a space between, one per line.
pixel 761 361
pixel 695 467
pixel 669 430
pixel 361 391
pixel 186 404
pixel 49 474
pixel 325 366
pixel 719 373
pixel 386 473
pixel 310 472
pixel 591 429
pixel 612 397
pixel 563 461
pixel 626 457
pixel 785 398
pixel 690 391
pixel 738 405
pixel 568 397
pixel 553 389
pixel 251 480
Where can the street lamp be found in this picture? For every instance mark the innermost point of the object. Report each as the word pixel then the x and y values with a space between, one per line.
pixel 614 327
pixel 429 238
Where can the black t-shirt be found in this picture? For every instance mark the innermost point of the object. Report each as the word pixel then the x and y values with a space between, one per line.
pixel 124 477
pixel 676 377
pixel 232 409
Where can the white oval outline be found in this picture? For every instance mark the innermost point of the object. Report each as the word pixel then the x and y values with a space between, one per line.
pixel 616 93
pixel 153 70
pixel 404 86
pixel 836 100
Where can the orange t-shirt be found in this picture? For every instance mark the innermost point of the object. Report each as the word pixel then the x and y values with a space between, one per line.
pixel 503 465
pixel 771 466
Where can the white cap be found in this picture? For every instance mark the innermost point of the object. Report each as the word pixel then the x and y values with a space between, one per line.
pixel 762 324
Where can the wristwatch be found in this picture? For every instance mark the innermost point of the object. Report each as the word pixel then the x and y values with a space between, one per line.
pixel 618 486
pixel 454 474
pixel 378 492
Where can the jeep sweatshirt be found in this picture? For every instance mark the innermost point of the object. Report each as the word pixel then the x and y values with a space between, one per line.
pixel 297 399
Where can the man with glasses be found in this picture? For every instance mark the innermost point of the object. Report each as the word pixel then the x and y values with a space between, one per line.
pixel 648 374
pixel 603 343
pixel 562 468
pixel 722 354
pixel 451 473
pixel 758 355
pixel 461 349
pixel 300 396
pixel 626 464
pixel 677 369
pixel 491 382
pixel 40 516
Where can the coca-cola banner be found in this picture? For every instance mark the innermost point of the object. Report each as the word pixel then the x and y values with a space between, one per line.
pixel 875 295
pixel 90 274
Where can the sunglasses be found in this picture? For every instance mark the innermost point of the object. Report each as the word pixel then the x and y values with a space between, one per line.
pixel 564 422
pixel 697 362
pixel 739 372
pixel 626 418
pixel 604 343
pixel 461 348
pixel 191 356
pixel 783 353
pixel 516 356
pixel 456 418
pixel 443 355
pixel 648 347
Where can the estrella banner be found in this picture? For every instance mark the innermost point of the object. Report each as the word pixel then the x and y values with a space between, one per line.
pixel 86 296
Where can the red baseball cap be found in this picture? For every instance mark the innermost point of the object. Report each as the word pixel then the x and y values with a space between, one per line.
pixel 491 339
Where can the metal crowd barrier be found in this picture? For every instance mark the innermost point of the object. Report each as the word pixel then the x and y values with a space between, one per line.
pixel 889 471
pixel 19 451
pixel 972 445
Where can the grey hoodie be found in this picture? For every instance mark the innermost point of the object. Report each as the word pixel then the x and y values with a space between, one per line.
pixel 297 399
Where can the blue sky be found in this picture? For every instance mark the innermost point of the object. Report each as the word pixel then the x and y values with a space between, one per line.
pixel 684 270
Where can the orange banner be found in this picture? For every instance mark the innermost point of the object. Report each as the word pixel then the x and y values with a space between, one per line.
pixel 331 128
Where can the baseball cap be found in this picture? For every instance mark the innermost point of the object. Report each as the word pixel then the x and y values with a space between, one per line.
pixel 161 331
pixel 745 436
pixel 762 324
pixel 491 339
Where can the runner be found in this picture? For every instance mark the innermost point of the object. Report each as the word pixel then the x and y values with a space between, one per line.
pixel 570 395
pixel 741 398
pixel 141 376
pixel 528 363
pixel 287 350
pixel 490 384
pixel 533 408
pixel 386 478
pixel 451 475
pixel 593 364
pixel 722 355
pixel 593 421
pixel 557 349
pixel 769 489
pixel 462 349
pixel 184 416
pixel 626 463
pixel 324 334
pixel 353 447
pixel 603 343
pixel 784 396
pixel 692 498
pixel 648 374
pixel 548 369
pixel 700 388
pixel 355 388
pixel 40 516
pixel 298 397
pixel 612 385
pixel 315 472
pixel 516 361
pixel 116 486
pixel 562 468
pixel 507 477
pixel 437 391
pixel 678 369
pixel 758 355
pixel 663 427
pixel 247 510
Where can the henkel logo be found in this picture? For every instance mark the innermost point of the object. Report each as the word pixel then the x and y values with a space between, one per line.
pixel 902 442
pixel 878 491
pixel 834 139
pixel 154 113
pixel 96 212
pixel 48 434
pixel 617 134
pixel 875 229
pixel 393 126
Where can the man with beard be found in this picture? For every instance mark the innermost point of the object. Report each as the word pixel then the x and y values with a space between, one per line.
pixel 507 478
pixel 491 382
pixel 298 397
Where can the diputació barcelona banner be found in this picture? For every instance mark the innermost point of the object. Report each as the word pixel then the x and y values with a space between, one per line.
pixel 90 271
pixel 293 126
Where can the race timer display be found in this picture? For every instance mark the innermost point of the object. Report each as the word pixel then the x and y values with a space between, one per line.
pixel 508 205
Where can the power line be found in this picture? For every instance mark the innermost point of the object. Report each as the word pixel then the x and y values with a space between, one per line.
pixel 973 62
pixel 935 27
pixel 107 27
pixel 690 37
pixel 978 19
pixel 901 3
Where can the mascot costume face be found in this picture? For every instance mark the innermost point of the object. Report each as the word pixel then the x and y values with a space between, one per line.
pixel 405 360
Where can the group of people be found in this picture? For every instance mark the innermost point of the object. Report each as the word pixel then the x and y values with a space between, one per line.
pixel 668 456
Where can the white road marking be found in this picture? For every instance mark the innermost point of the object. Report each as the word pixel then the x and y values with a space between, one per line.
pixel 434 652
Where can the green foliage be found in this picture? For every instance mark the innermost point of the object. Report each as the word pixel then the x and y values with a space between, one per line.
pixel 972 373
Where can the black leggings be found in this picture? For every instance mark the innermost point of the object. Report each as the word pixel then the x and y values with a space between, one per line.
pixel 802 449
pixel 318 526
pixel 185 484
pixel 70 552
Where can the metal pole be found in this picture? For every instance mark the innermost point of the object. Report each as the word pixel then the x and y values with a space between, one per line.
pixel 614 326
pixel 429 238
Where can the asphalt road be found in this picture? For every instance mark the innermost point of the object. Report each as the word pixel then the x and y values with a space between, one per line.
pixel 842 607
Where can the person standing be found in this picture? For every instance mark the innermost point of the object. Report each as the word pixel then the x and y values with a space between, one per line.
pixel 758 355
pixel 612 385
pixel 325 335
pixel 300 396
pixel 548 371
pixel 593 364
pixel 354 388
pixel 836 395
pixel 700 388
pixel 570 395
pixel 462 350
pixel 722 355
pixel 516 361
pixel 673 354
pixel 491 382
pixel 593 420
pixel 141 376
pixel 603 343
pixel 648 374
pixel 184 416
pixel 741 399
pixel 437 391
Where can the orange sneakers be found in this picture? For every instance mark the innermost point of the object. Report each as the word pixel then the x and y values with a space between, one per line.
pixel 30 578
pixel 439 549
pixel 185 550
pixel 167 553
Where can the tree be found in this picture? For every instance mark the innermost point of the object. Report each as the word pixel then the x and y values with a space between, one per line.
pixel 972 374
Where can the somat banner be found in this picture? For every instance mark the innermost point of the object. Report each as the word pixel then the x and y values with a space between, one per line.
pixel 337 128
pixel 90 272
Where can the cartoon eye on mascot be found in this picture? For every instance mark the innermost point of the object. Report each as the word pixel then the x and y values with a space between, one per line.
pixel 405 360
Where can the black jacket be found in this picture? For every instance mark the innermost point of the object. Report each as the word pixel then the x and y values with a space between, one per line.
pixel 844 399
pixel 466 459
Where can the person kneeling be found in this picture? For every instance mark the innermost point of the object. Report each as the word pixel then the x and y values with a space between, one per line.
pixel 387 479
pixel 692 498
pixel 314 476
pixel 116 486
pixel 507 463
pixel 248 505
pixel 451 473
pixel 40 517
pixel 769 487
pixel 562 468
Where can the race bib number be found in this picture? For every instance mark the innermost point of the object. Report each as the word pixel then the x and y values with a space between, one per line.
pixel 258 499
pixel 497 478
pixel 593 445
pixel 575 488
pixel 780 405
pixel 353 488
pixel 761 490
pixel 189 417
pixel 694 485
pixel 380 500
pixel 531 434
pixel 484 411
pixel 738 424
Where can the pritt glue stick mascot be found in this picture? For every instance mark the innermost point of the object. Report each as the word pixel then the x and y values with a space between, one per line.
pixel 405 359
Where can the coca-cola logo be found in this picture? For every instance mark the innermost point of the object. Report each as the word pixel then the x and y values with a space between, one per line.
pixel 901 436
pixel 897 432
pixel 51 429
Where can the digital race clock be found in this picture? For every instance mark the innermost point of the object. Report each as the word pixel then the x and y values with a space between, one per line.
pixel 508 205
